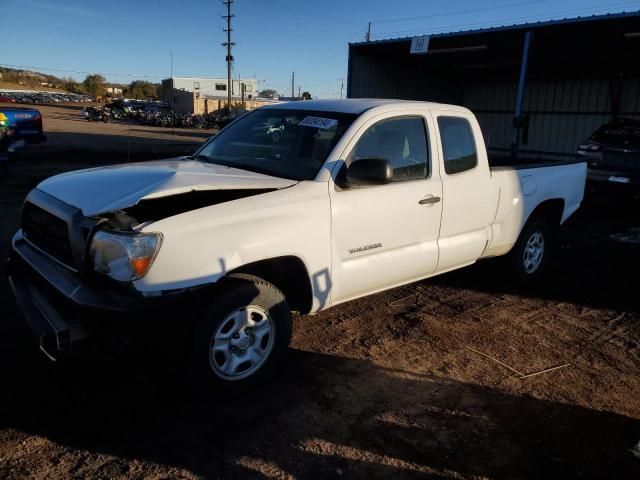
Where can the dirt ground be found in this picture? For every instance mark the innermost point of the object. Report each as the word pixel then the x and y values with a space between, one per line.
pixel 416 382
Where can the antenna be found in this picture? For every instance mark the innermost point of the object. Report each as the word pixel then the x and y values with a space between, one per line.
pixel 228 44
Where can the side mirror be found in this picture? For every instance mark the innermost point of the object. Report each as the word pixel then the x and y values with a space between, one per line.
pixel 369 171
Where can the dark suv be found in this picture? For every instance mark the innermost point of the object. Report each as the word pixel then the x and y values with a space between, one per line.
pixel 613 156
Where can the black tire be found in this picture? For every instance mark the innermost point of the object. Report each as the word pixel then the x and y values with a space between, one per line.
pixel 236 292
pixel 523 272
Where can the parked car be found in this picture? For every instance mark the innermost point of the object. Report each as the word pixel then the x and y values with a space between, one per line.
pixel 215 250
pixel 31 96
pixel 613 156
pixel 25 125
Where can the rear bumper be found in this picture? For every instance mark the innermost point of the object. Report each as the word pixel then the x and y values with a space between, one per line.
pixel 65 312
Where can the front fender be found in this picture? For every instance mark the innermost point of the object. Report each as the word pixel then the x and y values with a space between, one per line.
pixel 201 246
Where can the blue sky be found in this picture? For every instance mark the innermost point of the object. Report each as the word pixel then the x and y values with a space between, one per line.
pixel 132 39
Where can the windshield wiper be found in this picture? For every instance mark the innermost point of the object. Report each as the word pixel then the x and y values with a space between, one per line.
pixel 198 156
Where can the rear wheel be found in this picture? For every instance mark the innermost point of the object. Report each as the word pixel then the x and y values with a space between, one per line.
pixel 241 337
pixel 530 256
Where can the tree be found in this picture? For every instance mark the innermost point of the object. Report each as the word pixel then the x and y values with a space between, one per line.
pixel 268 93
pixel 95 85
pixel 306 96
pixel 70 85
pixel 142 90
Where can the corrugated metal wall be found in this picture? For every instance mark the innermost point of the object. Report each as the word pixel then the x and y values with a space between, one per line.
pixel 373 77
pixel 563 112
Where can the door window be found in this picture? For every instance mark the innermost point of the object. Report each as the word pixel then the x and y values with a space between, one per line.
pixel 458 144
pixel 402 141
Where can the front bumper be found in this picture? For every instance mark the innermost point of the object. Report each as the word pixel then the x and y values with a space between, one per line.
pixel 64 310
pixel 54 333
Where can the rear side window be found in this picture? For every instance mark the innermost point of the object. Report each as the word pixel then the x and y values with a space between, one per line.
pixel 402 141
pixel 458 144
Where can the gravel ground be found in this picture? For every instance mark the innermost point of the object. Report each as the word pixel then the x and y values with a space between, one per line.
pixel 416 382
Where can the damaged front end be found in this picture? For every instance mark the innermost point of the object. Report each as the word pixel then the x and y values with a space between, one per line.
pixel 153 209
pixel 72 274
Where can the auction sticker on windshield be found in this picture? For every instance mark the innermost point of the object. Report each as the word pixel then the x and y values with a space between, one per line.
pixel 318 122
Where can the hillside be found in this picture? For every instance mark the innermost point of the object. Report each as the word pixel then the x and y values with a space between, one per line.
pixel 17 86
pixel 29 79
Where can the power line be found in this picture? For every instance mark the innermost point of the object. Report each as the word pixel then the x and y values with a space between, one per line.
pixel 459 12
pixel 27 67
pixel 539 17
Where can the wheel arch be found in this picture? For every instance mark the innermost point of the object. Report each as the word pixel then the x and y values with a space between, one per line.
pixel 289 274
pixel 550 210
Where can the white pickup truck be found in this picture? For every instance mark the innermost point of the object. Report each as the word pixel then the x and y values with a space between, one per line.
pixel 293 207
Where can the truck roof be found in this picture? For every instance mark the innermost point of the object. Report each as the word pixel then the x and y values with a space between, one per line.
pixel 359 105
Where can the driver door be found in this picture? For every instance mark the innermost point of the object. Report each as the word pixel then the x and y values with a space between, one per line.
pixel 387 235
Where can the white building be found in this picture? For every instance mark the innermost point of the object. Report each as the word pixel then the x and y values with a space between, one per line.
pixel 209 87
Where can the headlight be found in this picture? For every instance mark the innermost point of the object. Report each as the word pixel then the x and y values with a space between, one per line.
pixel 124 257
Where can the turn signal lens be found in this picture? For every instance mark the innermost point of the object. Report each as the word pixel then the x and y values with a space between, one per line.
pixel 140 265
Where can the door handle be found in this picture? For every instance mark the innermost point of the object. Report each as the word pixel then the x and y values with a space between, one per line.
pixel 429 200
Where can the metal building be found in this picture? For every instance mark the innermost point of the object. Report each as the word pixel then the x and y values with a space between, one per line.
pixel 538 89
pixel 210 87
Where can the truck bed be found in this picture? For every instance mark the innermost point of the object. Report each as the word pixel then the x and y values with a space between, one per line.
pixel 502 162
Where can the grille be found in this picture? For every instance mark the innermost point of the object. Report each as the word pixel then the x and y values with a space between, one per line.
pixel 47 232
pixel 623 162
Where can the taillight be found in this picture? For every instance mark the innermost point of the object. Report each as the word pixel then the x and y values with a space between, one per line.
pixel 38 120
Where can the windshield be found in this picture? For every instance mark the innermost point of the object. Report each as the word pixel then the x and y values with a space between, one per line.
pixel 283 143
pixel 619 134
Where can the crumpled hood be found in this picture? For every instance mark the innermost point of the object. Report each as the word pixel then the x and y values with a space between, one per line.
pixel 104 189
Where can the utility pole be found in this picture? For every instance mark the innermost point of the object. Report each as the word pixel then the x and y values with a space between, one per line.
pixel 341 86
pixel 367 38
pixel 298 91
pixel 228 44
pixel 170 98
pixel 293 79
pixel 171 77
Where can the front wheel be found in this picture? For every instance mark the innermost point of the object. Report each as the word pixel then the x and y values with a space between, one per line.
pixel 530 256
pixel 241 337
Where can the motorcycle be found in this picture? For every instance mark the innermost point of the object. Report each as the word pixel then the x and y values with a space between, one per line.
pixel 95 114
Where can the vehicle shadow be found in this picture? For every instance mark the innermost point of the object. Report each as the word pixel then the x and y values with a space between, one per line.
pixel 325 414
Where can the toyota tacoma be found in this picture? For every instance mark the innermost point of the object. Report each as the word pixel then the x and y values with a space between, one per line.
pixel 349 198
